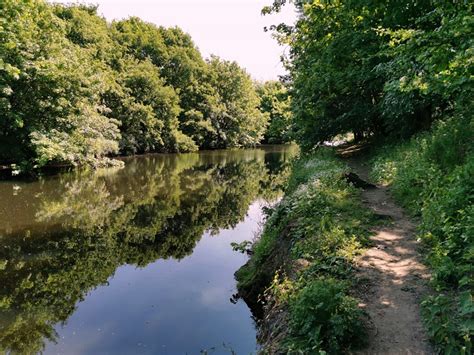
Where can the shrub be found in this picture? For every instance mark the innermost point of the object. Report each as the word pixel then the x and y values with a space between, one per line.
pixel 450 322
pixel 323 318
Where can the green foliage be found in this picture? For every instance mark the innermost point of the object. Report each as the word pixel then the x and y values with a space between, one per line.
pixel 321 221
pixel 91 137
pixel 275 100
pixel 383 68
pixel 236 118
pixel 242 247
pixel 147 109
pixel 323 319
pixel 450 321
pixel 50 92
pixel 432 176
pixel 75 89
pixel 180 65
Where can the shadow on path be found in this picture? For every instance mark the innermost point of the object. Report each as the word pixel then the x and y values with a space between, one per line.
pixel 393 279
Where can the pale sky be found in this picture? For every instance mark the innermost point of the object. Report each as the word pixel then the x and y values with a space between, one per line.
pixel 231 29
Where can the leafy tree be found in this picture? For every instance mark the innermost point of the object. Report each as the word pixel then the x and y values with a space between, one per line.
pixel 235 118
pixel 51 109
pixel 384 68
pixel 275 100
pixel 147 109
pixel 75 89
pixel 86 29
pixel 180 65
pixel 429 71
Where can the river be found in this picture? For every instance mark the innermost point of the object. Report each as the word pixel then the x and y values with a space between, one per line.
pixel 134 260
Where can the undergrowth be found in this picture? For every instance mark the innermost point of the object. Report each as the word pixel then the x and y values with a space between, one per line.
pixel 322 223
pixel 432 175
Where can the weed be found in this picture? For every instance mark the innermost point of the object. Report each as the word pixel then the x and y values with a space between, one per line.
pixel 323 318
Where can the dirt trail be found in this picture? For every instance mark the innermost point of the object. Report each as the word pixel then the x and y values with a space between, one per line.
pixel 393 278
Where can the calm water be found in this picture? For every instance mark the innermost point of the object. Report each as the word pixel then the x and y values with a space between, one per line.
pixel 134 260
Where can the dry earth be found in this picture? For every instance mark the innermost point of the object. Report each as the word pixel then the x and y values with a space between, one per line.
pixel 393 277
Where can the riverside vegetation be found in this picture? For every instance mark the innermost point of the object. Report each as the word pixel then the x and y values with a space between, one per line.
pixel 75 90
pixel 310 239
pixel 398 76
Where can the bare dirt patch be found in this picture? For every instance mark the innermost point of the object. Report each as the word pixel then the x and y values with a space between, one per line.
pixel 393 279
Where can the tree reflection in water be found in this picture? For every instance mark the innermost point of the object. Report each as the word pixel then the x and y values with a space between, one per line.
pixel 63 236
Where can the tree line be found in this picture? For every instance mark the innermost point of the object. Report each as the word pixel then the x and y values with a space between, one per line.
pixel 75 89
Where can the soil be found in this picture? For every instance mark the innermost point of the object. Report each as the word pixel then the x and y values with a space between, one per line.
pixel 393 278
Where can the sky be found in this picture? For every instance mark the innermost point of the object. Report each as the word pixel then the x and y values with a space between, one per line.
pixel 231 29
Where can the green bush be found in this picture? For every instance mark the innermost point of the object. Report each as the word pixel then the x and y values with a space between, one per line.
pixel 450 322
pixel 324 318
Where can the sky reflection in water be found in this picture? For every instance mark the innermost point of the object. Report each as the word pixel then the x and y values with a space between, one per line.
pixel 136 260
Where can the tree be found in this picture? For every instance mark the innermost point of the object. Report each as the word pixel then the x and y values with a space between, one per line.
pixel 76 90
pixel 50 97
pixel 383 68
pixel 179 64
pixel 275 101
pixel 235 117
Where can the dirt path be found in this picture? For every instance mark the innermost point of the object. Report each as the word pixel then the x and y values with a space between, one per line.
pixel 394 279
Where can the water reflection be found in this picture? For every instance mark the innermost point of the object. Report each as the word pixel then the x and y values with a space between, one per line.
pixel 63 236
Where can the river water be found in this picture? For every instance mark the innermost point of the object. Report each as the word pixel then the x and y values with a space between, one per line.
pixel 135 260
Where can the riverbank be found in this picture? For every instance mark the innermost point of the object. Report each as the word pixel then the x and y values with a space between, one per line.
pixel 334 275
pixel 300 279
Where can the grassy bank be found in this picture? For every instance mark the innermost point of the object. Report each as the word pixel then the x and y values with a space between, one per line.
pixel 302 264
pixel 432 176
pixel 301 269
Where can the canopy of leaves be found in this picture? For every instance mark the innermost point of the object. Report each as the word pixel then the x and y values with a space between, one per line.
pixel 235 117
pixel 377 67
pixel 275 101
